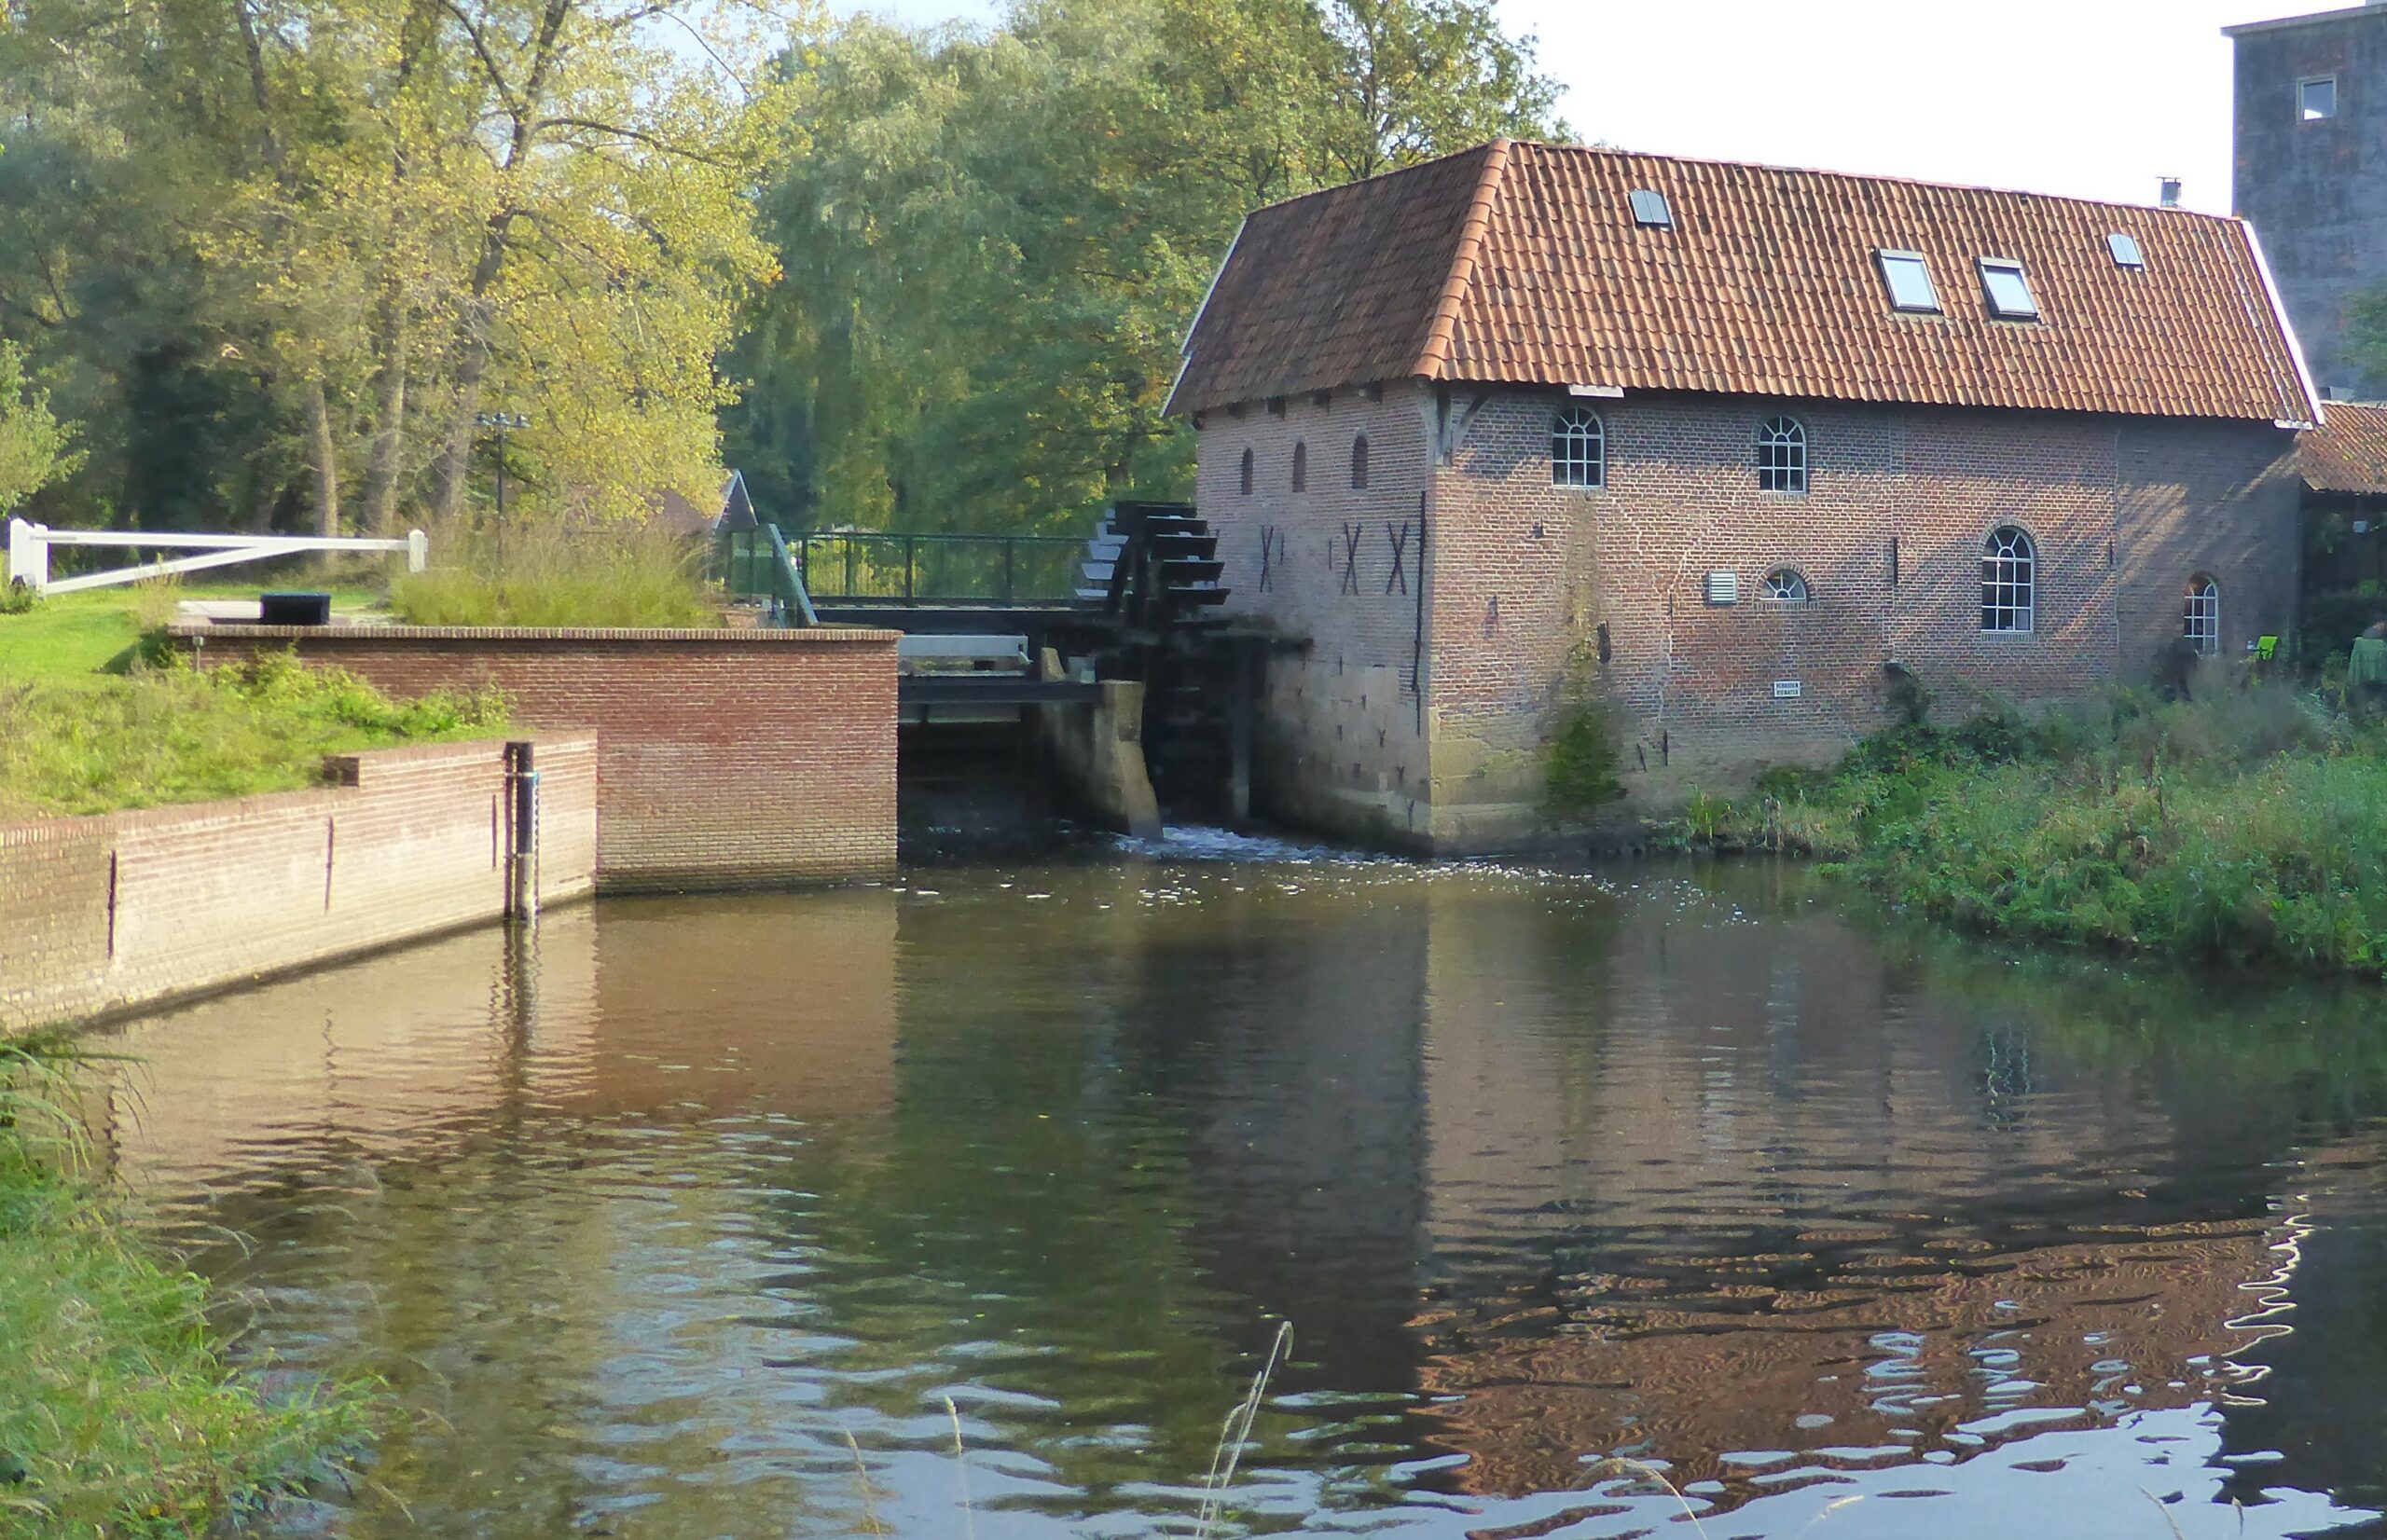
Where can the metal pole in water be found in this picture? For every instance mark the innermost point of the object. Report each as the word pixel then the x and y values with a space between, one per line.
pixel 522 847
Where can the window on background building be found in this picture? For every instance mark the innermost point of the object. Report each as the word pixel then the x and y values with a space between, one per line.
pixel 2009 289
pixel 2316 99
pixel 1247 473
pixel 1649 208
pixel 2125 250
pixel 2008 582
pixel 1783 586
pixel 2200 614
pixel 1578 449
pixel 1301 467
pixel 1908 276
pixel 1781 456
pixel 1360 462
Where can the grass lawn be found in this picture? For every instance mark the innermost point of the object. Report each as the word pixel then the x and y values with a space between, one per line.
pixel 87 726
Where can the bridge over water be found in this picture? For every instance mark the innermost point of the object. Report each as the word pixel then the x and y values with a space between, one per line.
pixel 998 628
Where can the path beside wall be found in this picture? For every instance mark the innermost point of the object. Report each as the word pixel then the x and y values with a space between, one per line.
pixel 724 756
pixel 100 915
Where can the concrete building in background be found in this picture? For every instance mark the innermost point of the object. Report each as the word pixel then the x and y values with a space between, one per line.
pixel 2312 171
pixel 1733 451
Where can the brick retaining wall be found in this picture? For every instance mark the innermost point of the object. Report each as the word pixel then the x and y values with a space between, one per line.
pixel 724 756
pixel 102 914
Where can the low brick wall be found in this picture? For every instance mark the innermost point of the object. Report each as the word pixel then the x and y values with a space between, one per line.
pixel 725 757
pixel 102 914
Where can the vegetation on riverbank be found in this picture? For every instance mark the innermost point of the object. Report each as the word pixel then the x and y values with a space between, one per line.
pixel 2249 827
pixel 121 1416
pixel 541 575
pixel 92 721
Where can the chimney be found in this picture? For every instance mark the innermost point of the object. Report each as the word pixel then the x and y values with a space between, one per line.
pixel 2170 186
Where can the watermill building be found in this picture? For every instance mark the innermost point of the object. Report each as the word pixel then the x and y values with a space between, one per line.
pixel 1734 451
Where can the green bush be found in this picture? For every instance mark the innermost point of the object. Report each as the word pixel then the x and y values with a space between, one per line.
pixel 1581 761
pixel 529 574
pixel 2248 826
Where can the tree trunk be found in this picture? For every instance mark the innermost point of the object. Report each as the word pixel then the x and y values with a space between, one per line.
pixel 383 469
pixel 319 414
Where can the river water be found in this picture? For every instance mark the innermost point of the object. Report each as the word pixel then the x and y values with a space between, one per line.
pixel 688 1218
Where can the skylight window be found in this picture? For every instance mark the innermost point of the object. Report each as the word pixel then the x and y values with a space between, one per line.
pixel 2124 250
pixel 2008 289
pixel 1908 276
pixel 1649 208
pixel 2317 99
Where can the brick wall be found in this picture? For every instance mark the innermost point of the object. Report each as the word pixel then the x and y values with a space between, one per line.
pixel 99 915
pixel 1523 574
pixel 1341 743
pixel 724 757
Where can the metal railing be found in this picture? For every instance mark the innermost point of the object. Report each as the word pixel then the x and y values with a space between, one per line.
pixel 840 567
pixel 755 564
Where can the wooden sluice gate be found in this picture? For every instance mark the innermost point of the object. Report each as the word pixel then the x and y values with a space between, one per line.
pixel 1025 643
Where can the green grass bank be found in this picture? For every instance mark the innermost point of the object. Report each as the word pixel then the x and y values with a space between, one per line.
pixel 2251 826
pixel 93 718
pixel 122 1415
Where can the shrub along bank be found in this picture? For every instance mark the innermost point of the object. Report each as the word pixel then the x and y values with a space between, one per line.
pixel 120 1415
pixel 2252 827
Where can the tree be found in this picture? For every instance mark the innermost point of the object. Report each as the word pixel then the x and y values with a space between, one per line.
pixel 33 444
pixel 2366 336
pixel 993 242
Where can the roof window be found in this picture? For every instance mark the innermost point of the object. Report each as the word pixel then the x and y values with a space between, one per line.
pixel 1649 208
pixel 2009 291
pixel 1908 276
pixel 2317 99
pixel 2124 250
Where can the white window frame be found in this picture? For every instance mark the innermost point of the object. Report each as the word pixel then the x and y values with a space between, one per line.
pixel 1577 449
pixel 1787 585
pixel 1781 462
pixel 2304 113
pixel 2118 241
pixel 2009 583
pixel 1885 260
pixel 2200 614
pixel 2011 266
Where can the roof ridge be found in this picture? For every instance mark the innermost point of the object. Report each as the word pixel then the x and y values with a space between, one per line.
pixel 1434 355
pixel 1620 153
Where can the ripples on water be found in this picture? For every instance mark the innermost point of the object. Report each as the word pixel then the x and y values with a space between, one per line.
pixel 686 1219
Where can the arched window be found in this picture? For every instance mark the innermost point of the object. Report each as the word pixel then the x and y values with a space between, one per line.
pixel 1247 473
pixel 1301 467
pixel 1578 449
pixel 2008 581
pixel 1783 586
pixel 1781 456
pixel 1360 462
pixel 2200 614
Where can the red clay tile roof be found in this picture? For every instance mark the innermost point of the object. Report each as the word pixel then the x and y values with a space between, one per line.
pixel 1523 264
pixel 2348 452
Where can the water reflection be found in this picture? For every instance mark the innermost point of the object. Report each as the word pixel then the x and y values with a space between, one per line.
pixel 689 1220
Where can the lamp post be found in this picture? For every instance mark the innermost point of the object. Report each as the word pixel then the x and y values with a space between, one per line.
pixel 499 421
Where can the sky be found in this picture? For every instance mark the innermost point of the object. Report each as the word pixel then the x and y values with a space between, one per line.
pixel 2091 98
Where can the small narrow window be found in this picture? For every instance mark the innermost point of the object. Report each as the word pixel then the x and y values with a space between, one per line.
pixel 1578 449
pixel 2008 582
pixel 1649 208
pixel 2124 250
pixel 1908 276
pixel 1360 462
pixel 1301 467
pixel 2200 614
pixel 1781 456
pixel 2317 99
pixel 1247 473
pixel 2009 289
pixel 1783 586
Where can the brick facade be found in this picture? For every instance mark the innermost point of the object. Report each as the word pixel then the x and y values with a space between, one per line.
pixel 102 914
pixel 724 756
pixel 1520 575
